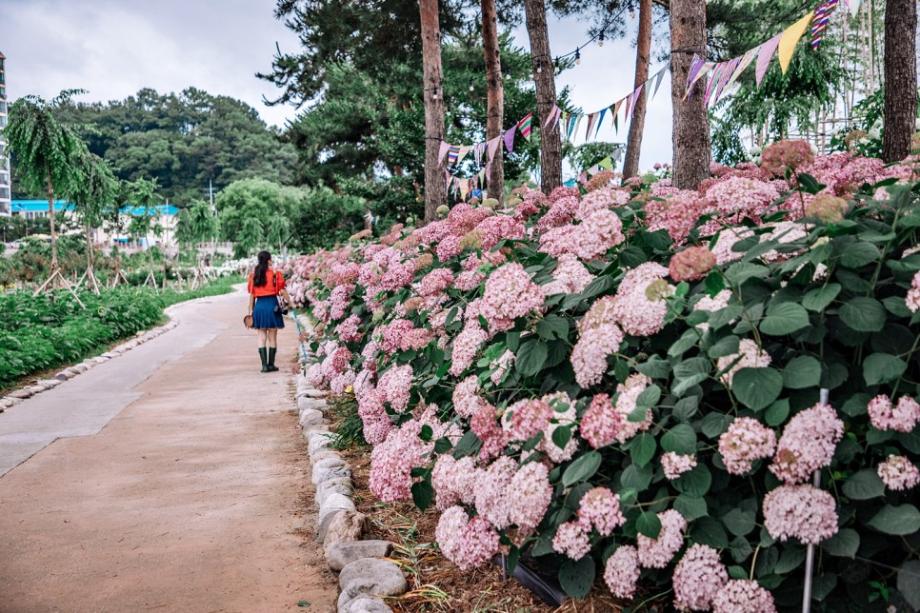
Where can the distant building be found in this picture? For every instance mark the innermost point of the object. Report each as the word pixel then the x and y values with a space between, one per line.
pixel 162 228
pixel 5 183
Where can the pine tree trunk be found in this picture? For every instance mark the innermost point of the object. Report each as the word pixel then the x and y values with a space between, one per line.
pixel 495 96
pixel 690 127
pixel 434 106
pixel 54 250
pixel 643 49
pixel 900 78
pixel 545 79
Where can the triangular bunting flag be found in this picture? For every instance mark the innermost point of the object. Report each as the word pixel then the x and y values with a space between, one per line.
pixel 790 38
pixel 552 117
pixel 764 56
pixel 592 117
pixel 464 149
pixel 525 126
pixel 819 23
pixel 695 73
pixel 727 73
pixel 746 60
pixel 509 139
pixel 491 148
pixel 600 120
pixel 452 152
pixel 714 78
pixel 606 163
pixel 442 151
pixel 660 78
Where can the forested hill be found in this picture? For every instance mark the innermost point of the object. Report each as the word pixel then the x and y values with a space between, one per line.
pixel 183 140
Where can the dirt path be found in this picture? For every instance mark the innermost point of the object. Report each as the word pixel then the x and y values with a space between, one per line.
pixel 191 498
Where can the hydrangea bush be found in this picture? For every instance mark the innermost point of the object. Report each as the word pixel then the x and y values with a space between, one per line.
pixel 625 384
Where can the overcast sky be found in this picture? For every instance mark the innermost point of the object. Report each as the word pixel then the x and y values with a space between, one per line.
pixel 112 48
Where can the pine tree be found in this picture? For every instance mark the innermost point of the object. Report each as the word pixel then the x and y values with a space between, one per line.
pixel 434 106
pixel 900 78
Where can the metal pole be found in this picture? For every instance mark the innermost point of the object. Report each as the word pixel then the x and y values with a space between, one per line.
pixel 810 551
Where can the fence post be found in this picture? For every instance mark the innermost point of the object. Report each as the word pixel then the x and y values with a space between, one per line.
pixel 810 551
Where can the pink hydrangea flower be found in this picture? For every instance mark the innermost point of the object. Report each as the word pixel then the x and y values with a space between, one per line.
pixel 529 495
pixel 743 596
pixel 436 282
pixel 601 422
pixel 466 397
pixel 913 294
pixel 569 277
pixel 785 155
pixel 599 337
pixel 801 512
pixel 807 443
pixel 484 424
pixel 901 417
pixel 500 366
pixel 676 464
pixel 563 415
pixel 898 473
pixel 571 540
pixel 600 508
pixel 728 238
pixel 749 356
pixel 745 442
pixel 622 572
pixel 348 329
pixel 454 481
pixel 691 264
pixel 392 462
pixel 639 311
pixel 468 543
pixel 698 577
pixel 658 552
pixel 509 294
pixel 491 494
pixel 395 386
pixel 526 418
pixel 466 346
pixel 497 227
pixel 627 395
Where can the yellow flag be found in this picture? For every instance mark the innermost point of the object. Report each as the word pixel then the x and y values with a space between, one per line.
pixel 790 38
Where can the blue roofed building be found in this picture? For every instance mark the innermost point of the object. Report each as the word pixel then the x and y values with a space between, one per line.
pixel 162 233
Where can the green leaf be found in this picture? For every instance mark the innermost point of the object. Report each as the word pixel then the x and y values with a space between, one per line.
pixel 863 314
pixel 695 482
pixel 553 327
pixel 882 367
pixel 784 318
pixel 642 449
pixel 908 584
pixel 899 520
pixel 655 367
pixel 740 272
pixel 422 494
pixel 714 283
pixel 679 439
pixel 582 469
pixel 844 544
pixel 708 531
pixel 531 357
pixel 649 397
pixel 714 424
pixel 863 485
pixel 739 522
pixel 687 340
pixel 818 299
pixel 636 477
pixel 802 372
pixel 425 433
pixel 725 316
pixel 777 413
pixel 789 560
pixel 649 524
pixel 561 436
pixel 442 445
pixel 691 507
pixel 859 254
pixel 685 408
pixel 723 347
pixel 577 578
pixel 757 388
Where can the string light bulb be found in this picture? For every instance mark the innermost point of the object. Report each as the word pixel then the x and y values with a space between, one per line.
pixel 600 40
pixel 472 88
pixel 578 55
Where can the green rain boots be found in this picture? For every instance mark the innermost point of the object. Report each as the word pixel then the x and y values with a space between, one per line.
pixel 271 359
pixel 263 355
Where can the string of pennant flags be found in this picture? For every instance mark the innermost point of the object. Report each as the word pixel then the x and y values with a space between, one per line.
pixel 722 75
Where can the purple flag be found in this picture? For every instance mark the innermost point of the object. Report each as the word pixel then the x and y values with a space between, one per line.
pixel 442 151
pixel 765 55
pixel 509 139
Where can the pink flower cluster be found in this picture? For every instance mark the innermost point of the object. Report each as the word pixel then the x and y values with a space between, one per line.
pixel 498 227
pixel 658 552
pixel 436 282
pixel 698 578
pixel 395 386
pixel 571 540
pixel 466 346
pixel 599 337
pixel 749 356
pixel 599 508
pixel 640 307
pixel 807 443
pixel 801 512
pixel 898 473
pixel 348 329
pixel 466 397
pixel 745 442
pixel 900 417
pixel 569 277
pixel 402 335
pixel 484 425
pixel 601 422
pixel 913 294
pixel 743 595
pixel 622 572
pixel 468 543
pixel 392 462
pixel 454 481
pixel 691 264
pixel 676 464
pixel 509 294
pixel 507 495
pixel 627 395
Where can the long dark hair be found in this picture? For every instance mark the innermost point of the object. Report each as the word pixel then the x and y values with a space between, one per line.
pixel 258 277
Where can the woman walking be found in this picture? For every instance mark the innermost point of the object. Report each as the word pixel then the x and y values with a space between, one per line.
pixel 266 288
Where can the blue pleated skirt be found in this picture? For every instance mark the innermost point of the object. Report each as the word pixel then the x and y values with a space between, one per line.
pixel 264 314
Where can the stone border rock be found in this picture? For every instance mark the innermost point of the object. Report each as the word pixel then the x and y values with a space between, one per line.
pixel 365 575
pixel 17 396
